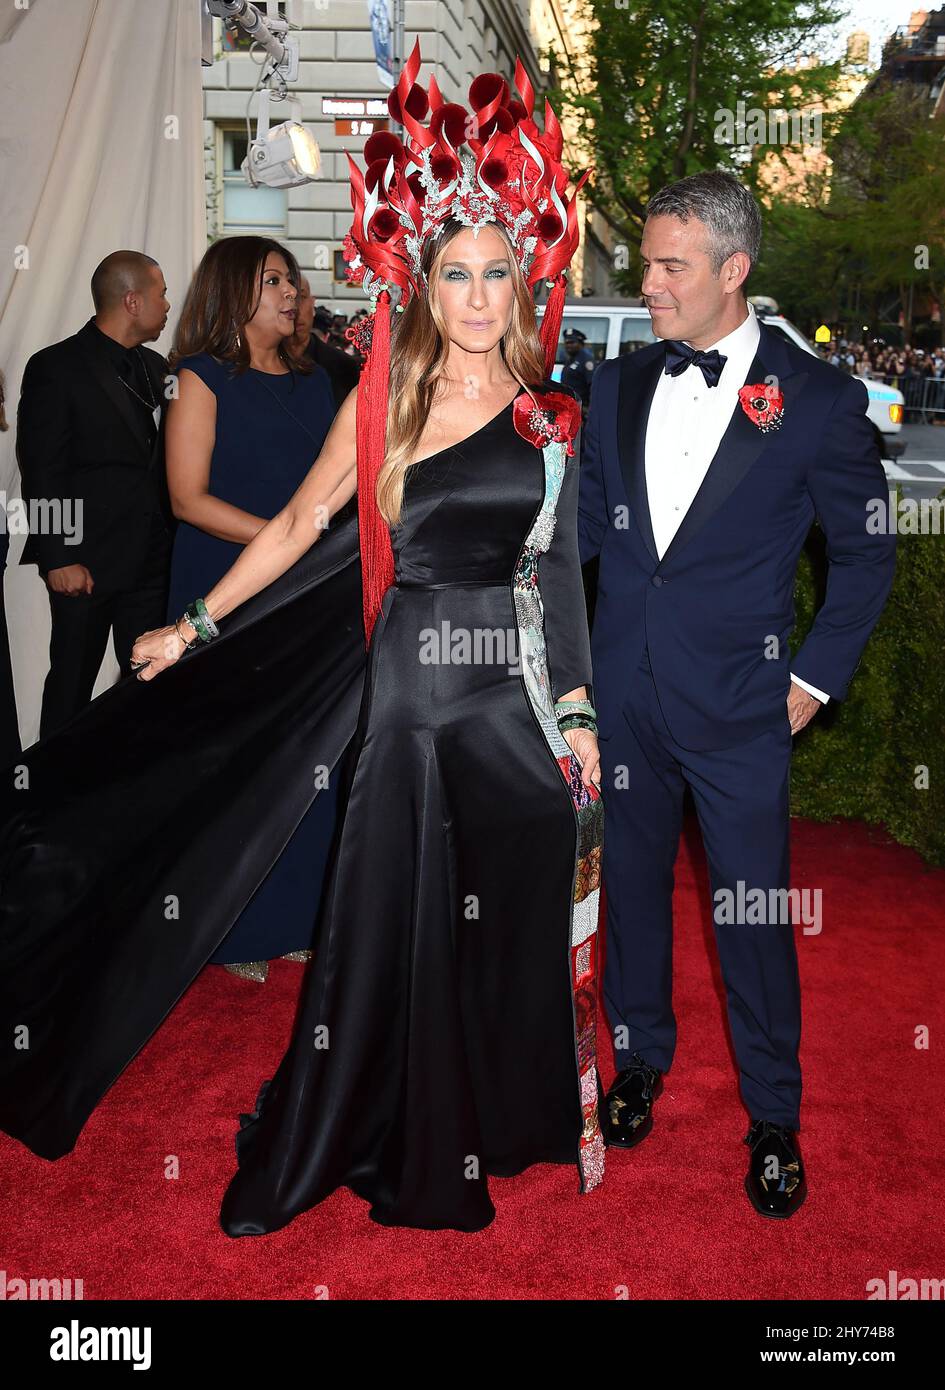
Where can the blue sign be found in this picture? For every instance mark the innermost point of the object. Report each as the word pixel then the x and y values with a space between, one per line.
pixel 383 48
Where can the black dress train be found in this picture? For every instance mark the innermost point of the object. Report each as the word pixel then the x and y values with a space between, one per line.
pixel 446 1025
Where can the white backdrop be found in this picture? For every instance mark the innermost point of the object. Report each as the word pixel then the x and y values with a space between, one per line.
pixel 101 148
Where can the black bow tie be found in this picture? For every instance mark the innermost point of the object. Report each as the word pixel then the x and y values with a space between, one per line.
pixel 679 356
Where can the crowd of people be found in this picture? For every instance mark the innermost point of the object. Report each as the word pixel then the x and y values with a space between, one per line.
pixel 331 328
pixel 917 373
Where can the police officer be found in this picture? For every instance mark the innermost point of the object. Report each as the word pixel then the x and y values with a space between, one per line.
pixel 579 366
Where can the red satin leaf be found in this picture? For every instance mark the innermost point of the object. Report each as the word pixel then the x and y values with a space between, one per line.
pixel 524 86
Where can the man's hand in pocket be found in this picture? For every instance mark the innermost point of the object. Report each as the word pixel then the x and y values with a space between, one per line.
pixel 801 707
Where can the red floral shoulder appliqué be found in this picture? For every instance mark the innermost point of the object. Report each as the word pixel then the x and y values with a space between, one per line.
pixel 548 417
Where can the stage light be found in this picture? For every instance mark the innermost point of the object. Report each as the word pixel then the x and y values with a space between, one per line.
pixel 288 154
pixel 284 156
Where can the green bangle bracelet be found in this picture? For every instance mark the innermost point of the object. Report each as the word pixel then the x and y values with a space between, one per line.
pixel 564 708
pixel 577 722
pixel 198 624
pixel 211 626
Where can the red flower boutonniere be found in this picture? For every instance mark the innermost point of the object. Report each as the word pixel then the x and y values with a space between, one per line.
pixel 764 406
pixel 551 416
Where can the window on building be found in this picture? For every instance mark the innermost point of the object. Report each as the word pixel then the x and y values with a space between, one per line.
pixel 247 210
pixel 594 330
pixel 636 333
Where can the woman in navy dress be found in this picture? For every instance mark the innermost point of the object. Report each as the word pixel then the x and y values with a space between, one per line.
pixel 250 416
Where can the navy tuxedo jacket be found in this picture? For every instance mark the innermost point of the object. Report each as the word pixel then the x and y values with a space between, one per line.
pixel 708 611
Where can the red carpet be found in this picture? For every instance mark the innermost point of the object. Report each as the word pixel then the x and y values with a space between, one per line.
pixel 671 1219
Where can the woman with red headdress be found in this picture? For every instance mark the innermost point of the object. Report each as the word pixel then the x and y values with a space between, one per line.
pixel 446 1025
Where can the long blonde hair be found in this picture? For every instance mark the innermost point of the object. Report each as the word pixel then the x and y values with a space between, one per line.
pixel 419 351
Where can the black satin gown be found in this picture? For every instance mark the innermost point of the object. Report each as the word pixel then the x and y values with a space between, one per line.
pixel 440 1028
pixel 446 1024
pixel 132 838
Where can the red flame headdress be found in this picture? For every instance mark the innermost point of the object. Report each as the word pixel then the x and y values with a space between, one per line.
pixel 509 172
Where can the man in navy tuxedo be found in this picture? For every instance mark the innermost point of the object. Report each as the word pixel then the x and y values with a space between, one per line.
pixel 698 501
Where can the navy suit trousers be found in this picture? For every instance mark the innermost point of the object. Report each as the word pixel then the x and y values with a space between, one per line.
pixel 741 798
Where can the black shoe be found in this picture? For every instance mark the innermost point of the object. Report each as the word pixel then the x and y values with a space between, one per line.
pixel 627 1116
pixel 775 1180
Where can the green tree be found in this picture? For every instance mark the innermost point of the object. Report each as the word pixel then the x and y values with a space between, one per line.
pixel 886 208
pixel 660 74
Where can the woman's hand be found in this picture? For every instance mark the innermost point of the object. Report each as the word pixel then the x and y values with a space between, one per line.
pixel 583 745
pixel 159 649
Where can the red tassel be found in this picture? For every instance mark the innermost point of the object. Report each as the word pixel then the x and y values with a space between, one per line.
pixel 377 555
pixel 551 322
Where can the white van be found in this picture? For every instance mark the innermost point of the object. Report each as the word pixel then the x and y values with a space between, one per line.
pixel 615 326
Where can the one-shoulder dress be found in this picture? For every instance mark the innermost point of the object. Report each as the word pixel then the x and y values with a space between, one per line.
pixel 446 1026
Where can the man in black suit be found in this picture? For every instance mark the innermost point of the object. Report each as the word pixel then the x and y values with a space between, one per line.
pixel 90 444
pixel 10 746
pixel 311 330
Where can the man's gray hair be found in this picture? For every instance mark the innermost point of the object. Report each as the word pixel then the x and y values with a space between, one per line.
pixel 731 215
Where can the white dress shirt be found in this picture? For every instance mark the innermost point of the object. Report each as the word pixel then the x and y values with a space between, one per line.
pixel 685 427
